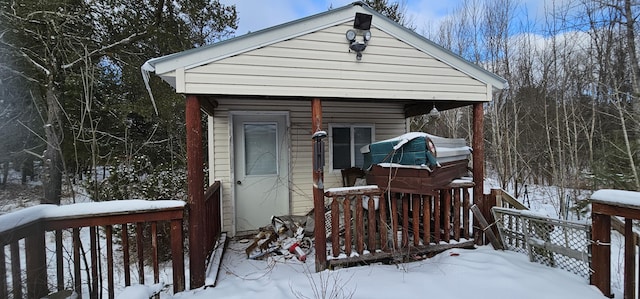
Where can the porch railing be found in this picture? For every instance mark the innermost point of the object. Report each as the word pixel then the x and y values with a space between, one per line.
pixel 364 218
pixel 212 217
pixel 582 248
pixel 24 233
pixel 606 205
pixel 552 242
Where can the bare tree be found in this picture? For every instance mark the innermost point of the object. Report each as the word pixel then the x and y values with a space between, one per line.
pixel 50 41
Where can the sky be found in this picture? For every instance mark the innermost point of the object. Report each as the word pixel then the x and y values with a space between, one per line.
pixel 260 14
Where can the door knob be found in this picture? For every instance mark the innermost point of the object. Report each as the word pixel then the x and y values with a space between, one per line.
pixel 239 182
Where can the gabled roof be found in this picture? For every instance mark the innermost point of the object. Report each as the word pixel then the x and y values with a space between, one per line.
pixel 166 66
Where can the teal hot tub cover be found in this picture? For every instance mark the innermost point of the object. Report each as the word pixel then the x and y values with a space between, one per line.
pixel 416 148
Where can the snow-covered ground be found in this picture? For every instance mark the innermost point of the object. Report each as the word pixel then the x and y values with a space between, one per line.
pixel 457 273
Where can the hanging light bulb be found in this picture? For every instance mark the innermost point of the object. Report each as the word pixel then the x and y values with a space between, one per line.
pixel 434 112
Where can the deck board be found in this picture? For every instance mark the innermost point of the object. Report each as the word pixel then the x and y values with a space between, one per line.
pixel 402 256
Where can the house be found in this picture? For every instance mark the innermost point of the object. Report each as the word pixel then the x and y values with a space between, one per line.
pixel 269 97
pixel 349 72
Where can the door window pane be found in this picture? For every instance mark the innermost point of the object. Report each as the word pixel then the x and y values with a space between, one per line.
pixel 260 149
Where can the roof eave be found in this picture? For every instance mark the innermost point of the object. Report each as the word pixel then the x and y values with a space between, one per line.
pixel 250 41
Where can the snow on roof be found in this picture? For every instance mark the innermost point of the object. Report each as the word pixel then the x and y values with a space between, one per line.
pixel 617 197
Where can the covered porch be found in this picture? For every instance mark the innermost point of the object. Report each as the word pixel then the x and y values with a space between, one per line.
pixel 406 223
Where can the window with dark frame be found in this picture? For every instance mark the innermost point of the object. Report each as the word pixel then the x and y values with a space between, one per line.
pixel 346 143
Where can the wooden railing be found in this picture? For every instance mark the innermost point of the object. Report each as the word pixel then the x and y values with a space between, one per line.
pixel 212 217
pixel 76 272
pixel 606 205
pixel 416 223
pixel 505 200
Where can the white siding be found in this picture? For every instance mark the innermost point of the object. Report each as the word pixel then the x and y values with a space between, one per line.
pixel 388 119
pixel 319 64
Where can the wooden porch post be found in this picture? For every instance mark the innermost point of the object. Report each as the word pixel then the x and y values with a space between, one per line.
pixel 601 252
pixel 195 190
pixel 318 193
pixel 478 151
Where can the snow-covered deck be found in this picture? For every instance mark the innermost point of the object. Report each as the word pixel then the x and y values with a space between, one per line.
pixel 456 273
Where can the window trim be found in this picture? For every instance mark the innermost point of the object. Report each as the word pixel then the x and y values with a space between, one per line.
pixel 351 126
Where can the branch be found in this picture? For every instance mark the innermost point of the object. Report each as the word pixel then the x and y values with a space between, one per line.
pixel 19 74
pixel 21 52
pixel 123 41
pixel 37 65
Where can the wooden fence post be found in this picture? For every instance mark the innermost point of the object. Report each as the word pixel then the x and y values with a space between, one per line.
pixel 629 261
pixel 601 253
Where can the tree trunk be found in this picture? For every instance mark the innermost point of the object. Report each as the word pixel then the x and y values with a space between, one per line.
pixel 635 79
pixel 52 174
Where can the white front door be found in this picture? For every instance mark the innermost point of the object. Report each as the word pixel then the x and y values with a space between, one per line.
pixel 261 169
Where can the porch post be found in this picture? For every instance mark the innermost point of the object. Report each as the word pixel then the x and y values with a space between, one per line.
pixel 478 151
pixel 195 190
pixel 318 192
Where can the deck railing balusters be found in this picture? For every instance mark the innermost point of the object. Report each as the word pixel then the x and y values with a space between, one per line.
pixel 447 215
pixel 109 239
pixel 456 214
pixel 382 203
pixel 93 247
pixel 16 271
pixel 140 251
pixel 59 261
pixel 371 224
pixel 347 225
pixel 35 282
pixel 77 281
pixel 125 254
pixel 415 209
pixel 359 225
pixel 420 221
pixel 4 292
pixel 154 251
pixel 335 226
pixel 426 219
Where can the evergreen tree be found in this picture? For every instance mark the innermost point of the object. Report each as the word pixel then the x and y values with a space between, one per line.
pixel 80 61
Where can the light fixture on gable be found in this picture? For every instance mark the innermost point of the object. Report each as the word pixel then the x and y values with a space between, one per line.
pixel 362 25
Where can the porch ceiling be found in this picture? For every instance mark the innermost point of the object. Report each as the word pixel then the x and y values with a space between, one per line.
pixel 411 107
